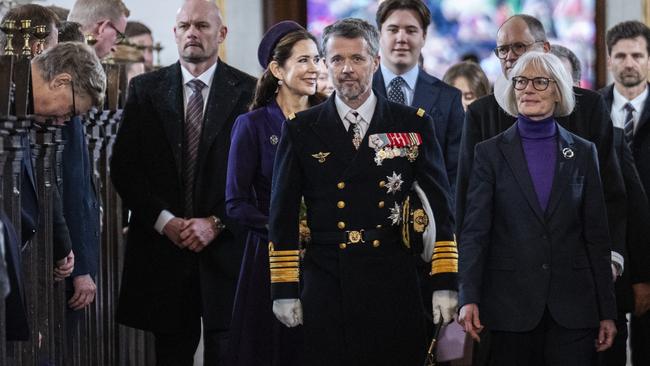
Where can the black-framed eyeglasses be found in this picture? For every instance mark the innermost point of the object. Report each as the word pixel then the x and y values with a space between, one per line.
pixel 119 36
pixel 539 83
pixel 74 103
pixel 518 48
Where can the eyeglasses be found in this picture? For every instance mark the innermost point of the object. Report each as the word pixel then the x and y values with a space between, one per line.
pixel 517 48
pixel 119 36
pixel 539 83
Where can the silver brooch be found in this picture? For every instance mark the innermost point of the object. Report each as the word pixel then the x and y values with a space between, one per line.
pixel 274 139
pixel 567 153
pixel 394 183
pixel 395 214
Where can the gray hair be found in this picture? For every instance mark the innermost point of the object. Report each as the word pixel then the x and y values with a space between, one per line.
pixel 551 65
pixel 351 28
pixel 81 62
pixel 563 52
pixel 89 12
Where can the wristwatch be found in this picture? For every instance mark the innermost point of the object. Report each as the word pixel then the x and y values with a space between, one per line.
pixel 217 225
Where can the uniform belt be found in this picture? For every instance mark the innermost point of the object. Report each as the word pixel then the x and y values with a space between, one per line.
pixel 353 236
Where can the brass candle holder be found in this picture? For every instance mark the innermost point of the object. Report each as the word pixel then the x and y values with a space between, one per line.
pixel 157 47
pixel 8 27
pixel 40 33
pixel 26 30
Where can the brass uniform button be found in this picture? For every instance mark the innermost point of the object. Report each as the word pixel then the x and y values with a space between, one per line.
pixel 340 204
pixel 343 246
pixel 378 226
pixel 341 225
pixel 380 204
pixel 382 184
pixel 375 243
pixel 340 185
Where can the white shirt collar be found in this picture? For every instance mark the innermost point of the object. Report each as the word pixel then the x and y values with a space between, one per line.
pixel 411 76
pixel 619 101
pixel 366 110
pixel 206 77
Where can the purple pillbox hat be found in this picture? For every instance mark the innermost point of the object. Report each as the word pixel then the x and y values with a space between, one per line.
pixel 271 39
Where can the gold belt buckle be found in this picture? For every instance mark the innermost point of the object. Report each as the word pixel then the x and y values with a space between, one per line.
pixel 355 237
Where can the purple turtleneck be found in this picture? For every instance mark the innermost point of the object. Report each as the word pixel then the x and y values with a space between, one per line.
pixel 538 139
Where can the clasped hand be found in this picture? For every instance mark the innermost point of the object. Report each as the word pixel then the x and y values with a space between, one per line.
pixel 194 234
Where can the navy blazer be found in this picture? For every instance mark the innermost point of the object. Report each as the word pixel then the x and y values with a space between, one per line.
pixel 516 260
pixel 443 103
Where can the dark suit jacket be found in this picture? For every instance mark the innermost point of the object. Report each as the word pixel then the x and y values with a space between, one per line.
pixel 443 103
pixel 515 259
pixel 80 204
pixel 637 250
pixel 589 120
pixel 160 286
pixel 16 327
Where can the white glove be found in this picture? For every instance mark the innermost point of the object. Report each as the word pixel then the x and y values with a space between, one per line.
pixel 444 303
pixel 288 311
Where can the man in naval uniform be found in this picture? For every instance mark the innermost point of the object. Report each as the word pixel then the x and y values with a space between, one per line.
pixel 354 159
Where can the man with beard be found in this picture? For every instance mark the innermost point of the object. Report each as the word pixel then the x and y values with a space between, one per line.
pixel 628 46
pixel 354 159
pixel 169 166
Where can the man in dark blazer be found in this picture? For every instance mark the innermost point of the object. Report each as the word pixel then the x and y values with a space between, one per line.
pixel 628 46
pixel 169 166
pixel 354 159
pixel 403 29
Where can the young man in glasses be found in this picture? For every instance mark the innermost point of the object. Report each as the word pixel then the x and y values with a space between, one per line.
pixel 590 119
pixel 104 20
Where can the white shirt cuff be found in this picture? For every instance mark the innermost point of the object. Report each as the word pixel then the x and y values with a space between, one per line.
pixel 162 220
pixel 619 263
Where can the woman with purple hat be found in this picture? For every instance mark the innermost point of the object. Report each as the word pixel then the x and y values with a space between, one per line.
pixel 290 56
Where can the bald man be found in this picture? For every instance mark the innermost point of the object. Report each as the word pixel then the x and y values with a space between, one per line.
pixel 169 166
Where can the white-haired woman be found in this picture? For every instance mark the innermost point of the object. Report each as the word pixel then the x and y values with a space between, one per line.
pixel 534 249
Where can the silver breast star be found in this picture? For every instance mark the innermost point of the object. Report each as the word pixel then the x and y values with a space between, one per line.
pixel 395 214
pixel 394 183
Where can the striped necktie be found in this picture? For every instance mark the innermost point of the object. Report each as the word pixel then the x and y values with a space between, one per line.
pixel 628 127
pixel 395 92
pixel 193 125
pixel 354 130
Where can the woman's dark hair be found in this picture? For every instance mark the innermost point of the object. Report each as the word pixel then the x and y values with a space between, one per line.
pixel 268 84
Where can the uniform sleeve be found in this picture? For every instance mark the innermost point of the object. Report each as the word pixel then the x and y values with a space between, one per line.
pixel 283 219
pixel 127 173
pixel 597 237
pixel 243 163
pixel 474 238
pixel 432 178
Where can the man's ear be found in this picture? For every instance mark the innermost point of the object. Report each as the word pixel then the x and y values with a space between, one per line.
pixel 60 80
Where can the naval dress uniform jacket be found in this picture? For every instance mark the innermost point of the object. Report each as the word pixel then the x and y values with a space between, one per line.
pixel 516 260
pixel 361 301
pixel 165 287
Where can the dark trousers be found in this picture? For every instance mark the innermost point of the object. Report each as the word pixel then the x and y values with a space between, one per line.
pixel 178 349
pixel 617 354
pixel 548 344
pixel 640 339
